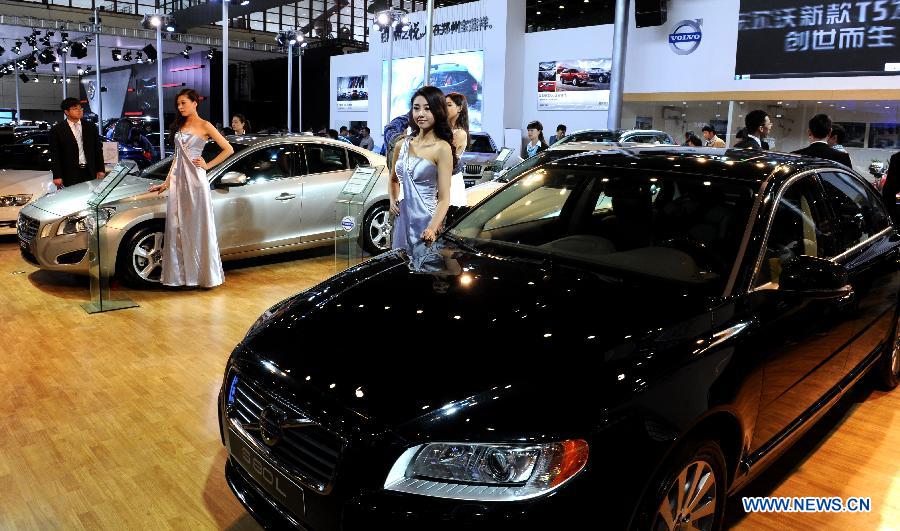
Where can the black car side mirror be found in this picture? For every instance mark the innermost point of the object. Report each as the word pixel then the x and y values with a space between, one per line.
pixel 815 277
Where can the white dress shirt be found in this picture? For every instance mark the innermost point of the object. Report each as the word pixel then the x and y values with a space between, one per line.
pixel 79 138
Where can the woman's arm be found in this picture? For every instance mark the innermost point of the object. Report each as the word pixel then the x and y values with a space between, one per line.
pixel 160 188
pixel 444 164
pixel 227 150
pixel 460 141
pixel 394 181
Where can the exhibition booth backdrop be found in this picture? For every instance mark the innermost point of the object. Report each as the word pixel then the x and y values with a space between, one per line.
pixel 700 54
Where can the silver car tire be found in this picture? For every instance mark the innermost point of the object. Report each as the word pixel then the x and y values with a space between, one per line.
pixel 377 230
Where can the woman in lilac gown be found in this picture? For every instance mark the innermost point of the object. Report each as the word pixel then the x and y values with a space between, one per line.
pixel 191 248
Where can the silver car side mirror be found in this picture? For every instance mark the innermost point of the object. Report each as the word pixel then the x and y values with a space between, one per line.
pixel 234 178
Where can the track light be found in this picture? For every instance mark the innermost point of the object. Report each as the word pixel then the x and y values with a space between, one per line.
pixel 55 80
pixel 56 67
pixel 210 54
pixel 187 51
pixel 127 56
pixel 65 38
pixel 245 2
pixel 46 56
pixel 170 26
pixel 17 49
pixel 88 39
pixel 78 50
pixel 24 78
pixel 139 57
pixel 36 79
pixel 116 54
pixel 150 52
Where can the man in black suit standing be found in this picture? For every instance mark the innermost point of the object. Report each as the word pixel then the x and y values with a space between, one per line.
pixel 819 129
pixel 758 127
pixel 892 188
pixel 75 147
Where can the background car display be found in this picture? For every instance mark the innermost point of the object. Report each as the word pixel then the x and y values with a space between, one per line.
pixel 482 159
pixel 641 136
pixel 276 194
pixel 701 276
pixel 18 187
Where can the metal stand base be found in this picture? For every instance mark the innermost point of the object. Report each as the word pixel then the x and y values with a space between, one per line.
pixel 108 306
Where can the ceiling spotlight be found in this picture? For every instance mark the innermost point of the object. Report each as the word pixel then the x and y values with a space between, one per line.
pixel 80 71
pixel 170 25
pixel 78 50
pixel 150 52
pixel 304 44
pixel 187 51
pixel 210 54
pixel 55 80
pixel 383 19
pixel 139 57
pixel 50 33
pixel 63 49
pixel 88 39
pixel 155 21
pixel 31 40
pixel 56 67
pixel 24 78
pixel 127 56
pixel 36 79
pixel 116 54
pixel 17 49
pixel 68 79
pixel 65 37
pixel 245 2
pixel 46 56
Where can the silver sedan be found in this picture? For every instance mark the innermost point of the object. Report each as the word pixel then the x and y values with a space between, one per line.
pixel 276 194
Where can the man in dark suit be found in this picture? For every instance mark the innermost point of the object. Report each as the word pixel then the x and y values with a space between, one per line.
pixel 758 127
pixel 892 188
pixel 819 129
pixel 75 147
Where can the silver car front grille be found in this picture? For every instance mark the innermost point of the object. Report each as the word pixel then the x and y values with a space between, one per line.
pixel 304 449
pixel 27 228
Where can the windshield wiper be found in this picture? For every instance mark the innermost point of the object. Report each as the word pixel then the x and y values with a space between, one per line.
pixel 458 240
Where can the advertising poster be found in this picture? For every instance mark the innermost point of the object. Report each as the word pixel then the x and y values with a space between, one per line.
pixel 806 38
pixel 575 84
pixel 352 94
pixel 461 72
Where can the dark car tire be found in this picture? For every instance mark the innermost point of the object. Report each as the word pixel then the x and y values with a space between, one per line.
pixel 679 472
pixel 887 368
pixel 376 229
pixel 133 265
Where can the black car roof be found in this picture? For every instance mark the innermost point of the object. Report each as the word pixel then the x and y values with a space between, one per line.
pixel 742 164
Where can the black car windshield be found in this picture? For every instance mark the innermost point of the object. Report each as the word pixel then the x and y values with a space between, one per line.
pixel 480 144
pixel 160 170
pixel 680 228
pixel 590 136
pixel 531 162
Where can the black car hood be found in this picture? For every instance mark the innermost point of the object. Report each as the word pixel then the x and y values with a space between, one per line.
pixel 397 345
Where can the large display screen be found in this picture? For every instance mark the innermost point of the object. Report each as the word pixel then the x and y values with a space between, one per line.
pixel 352 94
pixel 461 72
pixel 579 84
pixel 805 38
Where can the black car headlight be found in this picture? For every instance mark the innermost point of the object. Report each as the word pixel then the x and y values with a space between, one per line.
pixel 487 472
pixel 79 221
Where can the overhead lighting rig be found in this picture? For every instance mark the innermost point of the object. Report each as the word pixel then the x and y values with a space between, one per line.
pixel 187 51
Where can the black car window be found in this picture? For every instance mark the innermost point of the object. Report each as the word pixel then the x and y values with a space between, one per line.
pixel 480 144
pixel 323 158
pixel 857 214
pixel 266 164
pixel 680 228
pixel 357 160
pixel 799 228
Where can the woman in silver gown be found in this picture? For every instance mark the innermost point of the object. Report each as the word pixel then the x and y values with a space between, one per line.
pixel 191 248
pixel 423 168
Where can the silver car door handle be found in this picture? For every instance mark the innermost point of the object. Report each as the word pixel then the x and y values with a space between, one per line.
pixel 285 197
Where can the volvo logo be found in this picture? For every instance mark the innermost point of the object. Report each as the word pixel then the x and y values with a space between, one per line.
pixel 686 36
pixel 271 420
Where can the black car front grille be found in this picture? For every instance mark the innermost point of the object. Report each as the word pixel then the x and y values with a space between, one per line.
pixel 27 228
pixel 473 169
pixel 305 449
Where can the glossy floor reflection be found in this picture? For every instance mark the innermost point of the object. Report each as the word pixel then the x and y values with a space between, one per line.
pixel 108 421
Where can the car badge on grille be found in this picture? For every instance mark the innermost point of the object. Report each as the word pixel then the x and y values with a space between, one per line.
pixel 270 420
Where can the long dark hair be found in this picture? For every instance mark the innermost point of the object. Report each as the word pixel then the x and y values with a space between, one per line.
pixel 540 127
pixel 437 103
pixel 179 119
pixel 243 119
pixel 462 120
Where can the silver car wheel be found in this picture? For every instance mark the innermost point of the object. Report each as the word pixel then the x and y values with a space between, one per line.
pixel 690 503
pixel 379 230
pixel 147 257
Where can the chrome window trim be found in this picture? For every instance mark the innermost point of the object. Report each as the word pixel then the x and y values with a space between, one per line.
pixel 871 238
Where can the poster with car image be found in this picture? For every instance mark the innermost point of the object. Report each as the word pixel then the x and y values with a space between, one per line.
pixel 352 94
pixel 574 84
pixel 460 72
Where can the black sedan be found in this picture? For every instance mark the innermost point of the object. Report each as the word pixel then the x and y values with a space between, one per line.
pixel 619 339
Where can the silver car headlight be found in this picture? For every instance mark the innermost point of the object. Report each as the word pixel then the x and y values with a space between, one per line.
pixel 14 200
pixel 487 472
pixel 79 221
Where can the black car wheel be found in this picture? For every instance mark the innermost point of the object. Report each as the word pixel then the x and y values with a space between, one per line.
pixel 376 231
pixel 140 258
pixel 887 370
pixel 689 493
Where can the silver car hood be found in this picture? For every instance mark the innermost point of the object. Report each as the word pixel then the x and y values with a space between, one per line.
pixel 73 199
pixel 35 182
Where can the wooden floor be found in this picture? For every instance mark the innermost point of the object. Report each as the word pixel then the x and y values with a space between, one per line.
pixel 108 421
